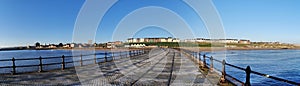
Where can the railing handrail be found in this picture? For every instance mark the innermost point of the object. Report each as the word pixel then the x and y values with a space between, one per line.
pixel 108 55
pixel 245 69
pixel 50 57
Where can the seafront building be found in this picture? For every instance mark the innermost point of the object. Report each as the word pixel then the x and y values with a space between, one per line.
pixel 113 44
pixel 243 41
pixel 228 41
pixel 162 39
pixel 198 40
pixel 140 42
pixel 163 42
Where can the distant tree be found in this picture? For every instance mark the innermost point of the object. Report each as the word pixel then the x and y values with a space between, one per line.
pixel 95 45
pixel 60 45
pixel 37 44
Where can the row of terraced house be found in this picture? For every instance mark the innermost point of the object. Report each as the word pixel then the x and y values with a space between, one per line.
pixel 203 40
pixel 162 39
pixel 230 41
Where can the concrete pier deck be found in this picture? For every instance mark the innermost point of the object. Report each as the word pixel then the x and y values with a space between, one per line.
pixel 159 67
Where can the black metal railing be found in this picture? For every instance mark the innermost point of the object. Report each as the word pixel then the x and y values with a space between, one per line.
pixel 225 76
pixel 40 61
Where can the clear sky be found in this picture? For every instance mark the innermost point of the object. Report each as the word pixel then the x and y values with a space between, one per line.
pixel 24 22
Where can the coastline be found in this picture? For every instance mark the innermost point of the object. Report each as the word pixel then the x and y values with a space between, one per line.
pixel 190 48
pixel 208 49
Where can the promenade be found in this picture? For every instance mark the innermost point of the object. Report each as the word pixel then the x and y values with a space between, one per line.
pixel 159 67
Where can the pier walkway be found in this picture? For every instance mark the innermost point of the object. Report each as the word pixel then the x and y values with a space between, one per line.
pixel 159 67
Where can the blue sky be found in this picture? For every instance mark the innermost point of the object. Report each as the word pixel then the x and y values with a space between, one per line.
pixel 24 22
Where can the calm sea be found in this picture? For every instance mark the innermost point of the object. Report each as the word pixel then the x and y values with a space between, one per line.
pixel 279 63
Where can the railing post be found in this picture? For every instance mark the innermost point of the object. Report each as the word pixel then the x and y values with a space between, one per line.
pixel 140 52
pixel 126 53
pixel 223 80
pixel 199 56
pixel 81 60
pixel 248 71
pixel 13 65
pixel 129 53
pixel 211 64
pixel 194 56
pixel 105 56
pixel 133 53
pixel 136 52
pixel 63 66
pixel 143 50
pixel 204 61
pixel 95 58
pixel 120 54
pixel 112 55
pixel 41 64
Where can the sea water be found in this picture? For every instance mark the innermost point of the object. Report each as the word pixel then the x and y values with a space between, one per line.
pixel 279 63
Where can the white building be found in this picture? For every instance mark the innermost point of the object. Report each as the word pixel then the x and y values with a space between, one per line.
pixel 170 39
pixel 72 45
pixel 202 40
pixel 198 40
pixel 175 40
pixel 163 39
pixel 244 42
pixel 137 45
pixel 231 41
pixel 140 40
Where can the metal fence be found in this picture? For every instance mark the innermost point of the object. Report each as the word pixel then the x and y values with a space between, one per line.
pixel 224 77
pixel 61 62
